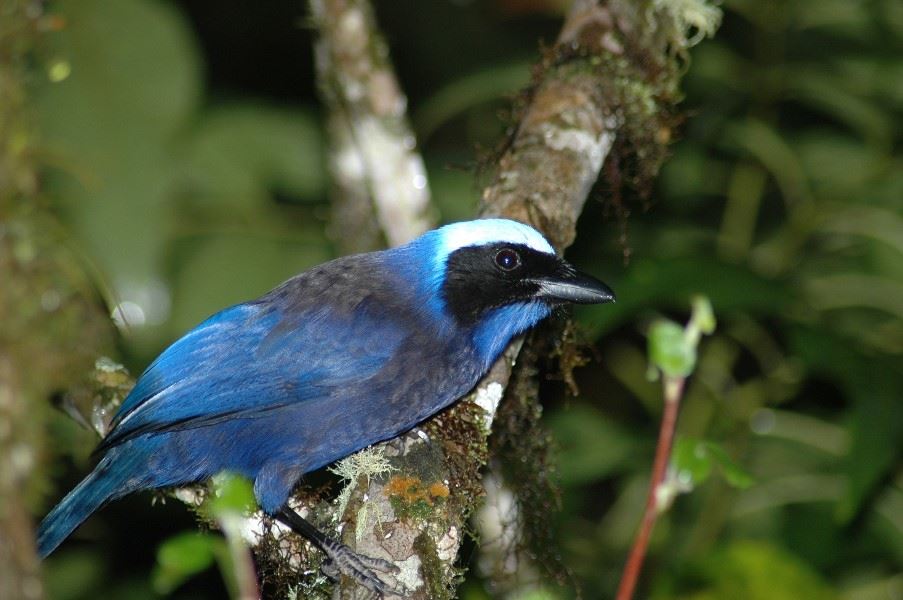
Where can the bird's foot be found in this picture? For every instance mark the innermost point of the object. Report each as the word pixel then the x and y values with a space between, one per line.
pixel 342 560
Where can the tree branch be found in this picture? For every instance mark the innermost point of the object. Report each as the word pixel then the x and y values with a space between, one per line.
pixel 673 393
pixel 373 155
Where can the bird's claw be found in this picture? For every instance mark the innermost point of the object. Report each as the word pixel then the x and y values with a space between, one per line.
pixel 342 560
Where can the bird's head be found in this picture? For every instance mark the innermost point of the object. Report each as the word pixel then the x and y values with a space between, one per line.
pixel 500 277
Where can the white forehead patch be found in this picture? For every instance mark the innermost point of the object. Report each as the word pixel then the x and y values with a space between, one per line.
pixel 491 231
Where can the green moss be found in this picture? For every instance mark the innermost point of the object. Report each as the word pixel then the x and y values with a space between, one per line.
pixel 522 448
pixel 459 431
pixel 433 570
pixel 634 75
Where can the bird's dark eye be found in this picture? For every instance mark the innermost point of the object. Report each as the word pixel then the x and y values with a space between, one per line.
pixel 507 259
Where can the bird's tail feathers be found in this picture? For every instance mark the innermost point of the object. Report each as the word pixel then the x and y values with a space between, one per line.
pixel 106 482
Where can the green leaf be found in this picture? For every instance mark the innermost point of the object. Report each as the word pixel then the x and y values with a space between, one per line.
pixel 183 556
pixel 876 417
pixel 690 175
pixel 693 461
pixel 72 575
pixel 751 571
pixel 703 315
pixel 735 475
pixel 668 283
pixel 494 83
pixel 239 154
pixel 231 493
pixel 825 92
pixel 112 124
pixel 452 189
pixel 766 144
pixel 837 164
pixel 541 593
pixel 669 349
pixel 690 461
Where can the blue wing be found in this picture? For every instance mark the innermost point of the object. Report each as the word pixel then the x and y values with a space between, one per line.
pixel 256 357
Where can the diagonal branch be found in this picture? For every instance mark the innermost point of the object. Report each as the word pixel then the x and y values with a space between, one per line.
pixel 373 158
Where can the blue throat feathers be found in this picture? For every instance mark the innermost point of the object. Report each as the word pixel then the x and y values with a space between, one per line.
pixel 493 334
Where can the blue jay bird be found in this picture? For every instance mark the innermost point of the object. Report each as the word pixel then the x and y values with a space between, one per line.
pixel 352 352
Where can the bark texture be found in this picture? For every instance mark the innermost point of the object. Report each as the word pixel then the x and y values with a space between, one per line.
pixel 376 168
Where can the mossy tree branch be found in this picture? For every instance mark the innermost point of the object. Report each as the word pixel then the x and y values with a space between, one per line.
pixel 52 323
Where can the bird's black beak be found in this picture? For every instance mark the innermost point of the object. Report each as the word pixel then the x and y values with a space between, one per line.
pixel 570 285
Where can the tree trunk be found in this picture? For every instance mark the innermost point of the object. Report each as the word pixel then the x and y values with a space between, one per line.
pixel 51 326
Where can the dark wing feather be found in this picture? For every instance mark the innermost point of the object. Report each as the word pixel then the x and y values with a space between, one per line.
pixel 319 332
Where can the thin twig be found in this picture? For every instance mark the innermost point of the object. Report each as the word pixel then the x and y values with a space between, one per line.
pixel 242 570
pixel 673 387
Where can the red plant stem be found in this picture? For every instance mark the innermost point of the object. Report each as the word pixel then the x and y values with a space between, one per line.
pixel 673 391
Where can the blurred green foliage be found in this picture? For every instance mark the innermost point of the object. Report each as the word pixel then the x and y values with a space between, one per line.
pixel 161 188
pixel 191 176
pixel 782 203
pixel 186 554
pixel 182 556
pixel 693 461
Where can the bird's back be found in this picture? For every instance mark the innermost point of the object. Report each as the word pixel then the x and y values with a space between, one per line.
pixel 333 360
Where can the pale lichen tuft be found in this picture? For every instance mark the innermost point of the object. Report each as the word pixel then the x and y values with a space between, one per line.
pixel 369 462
